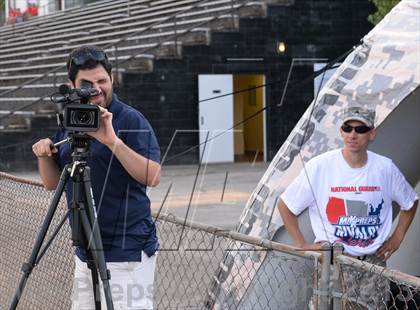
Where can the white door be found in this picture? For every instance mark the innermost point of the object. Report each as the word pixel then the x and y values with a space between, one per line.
pixel 215 116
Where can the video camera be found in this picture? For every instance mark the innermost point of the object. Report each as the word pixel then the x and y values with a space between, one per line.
pixel 77 115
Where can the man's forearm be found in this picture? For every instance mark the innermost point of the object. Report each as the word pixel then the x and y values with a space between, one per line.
pixel 291 223
pixel 393 243
pixel 404 222
pixel 142 169
pixel 48 172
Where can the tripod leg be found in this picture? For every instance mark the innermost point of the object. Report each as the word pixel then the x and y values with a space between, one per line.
pixel 91 212
pixel 95 280
pixel 93 236
pixel 30 264
pixel 98 257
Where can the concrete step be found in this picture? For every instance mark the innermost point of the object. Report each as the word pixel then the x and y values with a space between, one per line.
pixel 16 80
pixel 27 120
pixel 42 65
pixel 76 38
pixel 31 90
pixel 9 83
pixel 17 105
pixel 18 122
pixel 71 16
pixel 136 44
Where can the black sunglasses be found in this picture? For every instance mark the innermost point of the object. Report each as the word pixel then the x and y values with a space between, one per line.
pixel 84 56
pixel 357 129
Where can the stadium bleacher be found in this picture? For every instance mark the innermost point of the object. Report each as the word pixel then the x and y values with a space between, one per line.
pixel 33 53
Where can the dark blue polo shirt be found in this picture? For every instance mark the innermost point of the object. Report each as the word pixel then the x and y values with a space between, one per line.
pixel 122 205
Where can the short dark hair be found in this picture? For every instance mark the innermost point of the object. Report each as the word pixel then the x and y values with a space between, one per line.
pixel 87 57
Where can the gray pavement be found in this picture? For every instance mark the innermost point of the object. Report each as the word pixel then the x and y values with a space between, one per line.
pixel 210 201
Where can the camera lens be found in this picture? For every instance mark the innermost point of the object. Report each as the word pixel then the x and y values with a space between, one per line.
pixel 81 118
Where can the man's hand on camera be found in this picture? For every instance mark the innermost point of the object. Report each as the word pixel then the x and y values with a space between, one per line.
pixel 105 134
pixel 44 148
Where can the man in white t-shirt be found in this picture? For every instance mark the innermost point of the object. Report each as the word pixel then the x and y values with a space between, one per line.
pixel 349 193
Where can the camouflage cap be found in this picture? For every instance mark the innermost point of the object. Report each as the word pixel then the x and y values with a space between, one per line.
pixel 360 114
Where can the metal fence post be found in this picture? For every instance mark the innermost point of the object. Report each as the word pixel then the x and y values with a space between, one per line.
pixel 324 281
pixel 176 35
pixel 55 79
pixel 336 287
pixel 117 76
pixel 128 8
pixel 232 9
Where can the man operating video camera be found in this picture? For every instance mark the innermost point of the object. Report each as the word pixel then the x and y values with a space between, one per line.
pixel 124 159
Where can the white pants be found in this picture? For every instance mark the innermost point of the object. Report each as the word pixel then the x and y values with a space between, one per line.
pixel 131 285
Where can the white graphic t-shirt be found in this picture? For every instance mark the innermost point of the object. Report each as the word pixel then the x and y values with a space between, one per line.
pixel 350 205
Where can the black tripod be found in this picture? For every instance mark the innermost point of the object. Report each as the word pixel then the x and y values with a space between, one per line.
pixel 84 223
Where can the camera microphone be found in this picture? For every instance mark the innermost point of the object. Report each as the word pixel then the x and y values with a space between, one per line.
pixel 67 94
pixel 64 89
pixel 85 92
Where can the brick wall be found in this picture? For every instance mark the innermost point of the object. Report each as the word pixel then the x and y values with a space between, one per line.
pixel 316 28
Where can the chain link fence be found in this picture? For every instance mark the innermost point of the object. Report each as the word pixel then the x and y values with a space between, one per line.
pixel 23 205
pixel 193 256
pixel 198 266
pixel 363 285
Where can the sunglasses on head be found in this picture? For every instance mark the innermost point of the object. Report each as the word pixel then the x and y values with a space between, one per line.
pixel 357 129
pixel 84 56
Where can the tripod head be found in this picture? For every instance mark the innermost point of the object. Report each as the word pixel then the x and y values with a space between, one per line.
pixel 80 145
